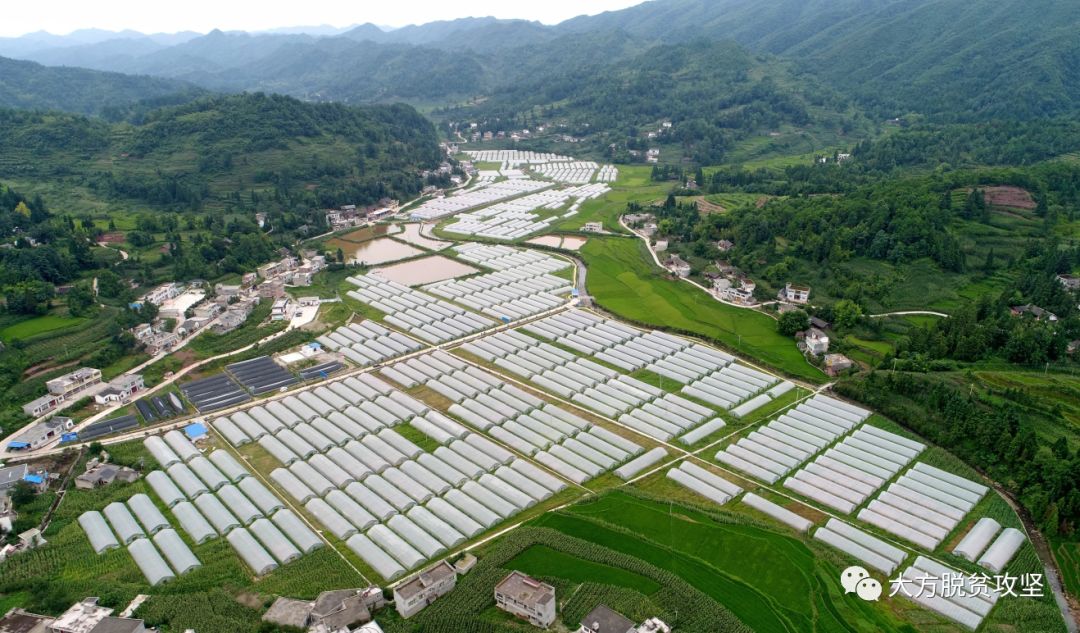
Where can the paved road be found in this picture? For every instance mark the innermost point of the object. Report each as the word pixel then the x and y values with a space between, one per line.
pixel 910 313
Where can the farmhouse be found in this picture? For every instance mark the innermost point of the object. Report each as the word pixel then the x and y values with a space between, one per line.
pixel 344 608
pixel 41 434
pixel 725 245
pixel 1034 311
pixel 228 322
pixel 1069 281
pixel 120 389
pixel 75 382
pixel 162 293
pixel 98 474
pixel 817 342
pixel 62 389
pixel 677 266
pixel 795 293
pixel 223 290
pixel 426 587
pixel 281 310
pixel 835 364
pixel 209 310
pixel 272 289
pixel 731 294
pixel 593 227
pixel 529 599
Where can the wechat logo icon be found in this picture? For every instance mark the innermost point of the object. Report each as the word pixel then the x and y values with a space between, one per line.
pixel 858 581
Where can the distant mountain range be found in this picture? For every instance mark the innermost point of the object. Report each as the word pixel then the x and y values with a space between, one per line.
pixel 31 86
pixel 947 59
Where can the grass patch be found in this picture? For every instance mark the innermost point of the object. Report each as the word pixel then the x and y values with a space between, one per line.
pixel 772 582
pixel 39 325
pixel 622 280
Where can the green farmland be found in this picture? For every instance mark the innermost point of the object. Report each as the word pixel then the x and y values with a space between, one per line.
pixel 623 280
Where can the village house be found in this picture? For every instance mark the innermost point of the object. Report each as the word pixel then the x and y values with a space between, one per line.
pixel 725 245
pixel 209 310
pixel 281 310
pixel 429 585
pixel 817 342
pixel 74 383
pixel 660 246
pixel 301 277
pixel 228 322
pixel 41 434
pixel 593 227
pixel 638 218
pixel 12 475
pixel 63 389
pixel 1034 311
pixel 273 269
pixel 274 289
pixel 523 597
pixel 40 406
pixel 1071 282
pixel 836 364
pixel 343 609
pixel 120 389
pixel 677 266
pixel 161 294
pixel 154 341
pixel 345 217
pixel 98 474
pixel 227 291
pixel 81 617
pixel 795 293
pixel 733 294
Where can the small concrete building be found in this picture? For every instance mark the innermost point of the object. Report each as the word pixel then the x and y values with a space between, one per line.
pixel 795 293
pixel 41 434
pixel 817 342
pixel 605 620
pixel 97 475
pixel 526 598
pixel 74 382
pixel 432 583
pixel 120 389
pixel 835 364
pixel 82 617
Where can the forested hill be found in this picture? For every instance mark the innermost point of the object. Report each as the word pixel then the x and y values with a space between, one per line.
pixel 30 86
pixel 715 93
pixel 953 59
pixel 239 152
pixel 969 60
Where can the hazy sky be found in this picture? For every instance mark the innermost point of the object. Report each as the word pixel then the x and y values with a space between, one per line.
pixel 64 16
